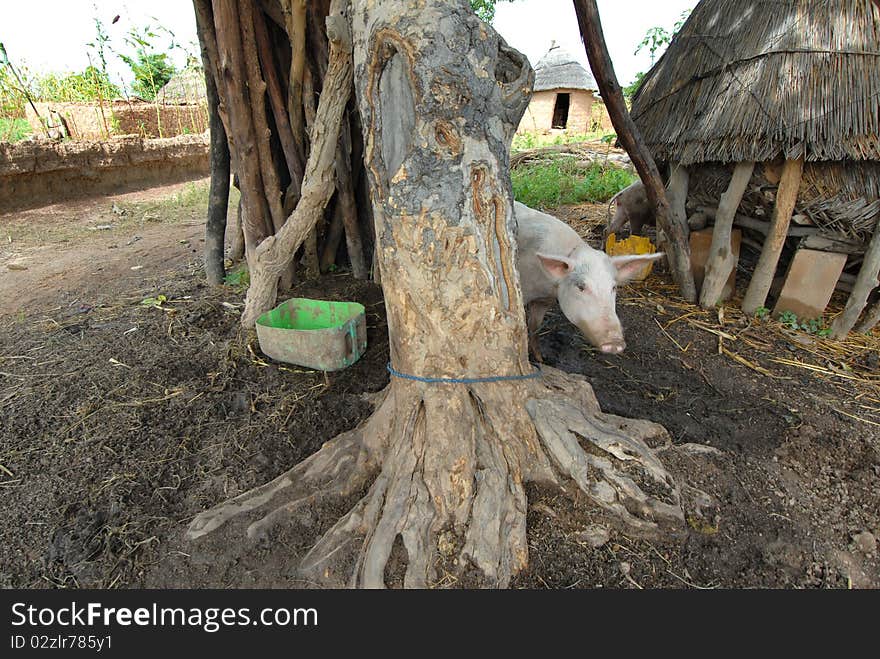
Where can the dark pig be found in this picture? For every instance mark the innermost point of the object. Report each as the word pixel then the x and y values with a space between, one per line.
pixel 633 208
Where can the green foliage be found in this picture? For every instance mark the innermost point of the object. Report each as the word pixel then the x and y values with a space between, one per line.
pixel 761 313
pixel 100 45
pixel 156 302
pixel 12 98
pixel 630 90
pixel 788 318
pixel 151 72
pixel 814 326
pixel 14 130
pixel 657 38
pixel 238 278
pixel 561 181
pixel 151 68
pixel 485 9
pixel 90 85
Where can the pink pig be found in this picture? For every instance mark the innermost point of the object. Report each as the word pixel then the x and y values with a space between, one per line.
pixel 556 265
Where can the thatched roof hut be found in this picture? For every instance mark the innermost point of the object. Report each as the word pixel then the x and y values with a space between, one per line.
pixel 186 87
pixel 558 69
pixel 794 81
pixel 564 96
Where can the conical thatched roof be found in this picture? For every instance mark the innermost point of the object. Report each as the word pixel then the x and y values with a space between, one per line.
pixel 188 86
pixel 558 69
pixel 755 79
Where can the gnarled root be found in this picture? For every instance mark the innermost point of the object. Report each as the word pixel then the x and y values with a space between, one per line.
pixel 448 464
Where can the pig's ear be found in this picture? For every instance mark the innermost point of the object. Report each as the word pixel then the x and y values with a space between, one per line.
pixel 556 266
pixel 629 266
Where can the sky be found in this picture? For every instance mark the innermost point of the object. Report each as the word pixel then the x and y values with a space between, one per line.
pixel 51 35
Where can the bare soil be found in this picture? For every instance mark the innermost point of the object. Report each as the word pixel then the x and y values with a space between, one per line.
pixel 120 420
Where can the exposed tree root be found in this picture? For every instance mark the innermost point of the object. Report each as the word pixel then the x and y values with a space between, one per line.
pixel 446 467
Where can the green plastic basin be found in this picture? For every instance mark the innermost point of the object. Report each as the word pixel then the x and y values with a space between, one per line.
pixel 318 334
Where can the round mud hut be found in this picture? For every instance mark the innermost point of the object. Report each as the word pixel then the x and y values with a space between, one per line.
pixel 565 97
pixel 767 115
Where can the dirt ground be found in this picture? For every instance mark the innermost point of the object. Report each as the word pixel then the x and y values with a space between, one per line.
pixel 121 419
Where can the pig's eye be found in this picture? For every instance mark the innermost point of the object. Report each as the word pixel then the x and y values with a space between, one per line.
pixel 583 288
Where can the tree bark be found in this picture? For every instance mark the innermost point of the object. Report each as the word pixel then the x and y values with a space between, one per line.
pixel 218 196
pixel 762 277
pixel 720 261
pixel 443 462
pixel 673 225
pixel 867 280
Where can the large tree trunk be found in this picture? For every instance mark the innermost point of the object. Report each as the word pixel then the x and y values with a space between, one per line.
pixel 464 424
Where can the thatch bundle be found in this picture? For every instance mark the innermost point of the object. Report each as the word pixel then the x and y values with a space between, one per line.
pixel 753 80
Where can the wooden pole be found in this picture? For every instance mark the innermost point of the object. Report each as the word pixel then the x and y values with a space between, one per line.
pixel 720 261
pixel 603 70
pixel 867 281
pixel 279 107
pixel 332 236
pixel 347 204
pixel 296 29
pixel 238 121
pixel 677 190
pixel 762 278
pixel 218 197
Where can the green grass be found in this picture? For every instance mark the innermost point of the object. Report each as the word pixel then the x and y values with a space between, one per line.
pixel 560 181
pixel 531 140
pixel 193 198
pixel 14 130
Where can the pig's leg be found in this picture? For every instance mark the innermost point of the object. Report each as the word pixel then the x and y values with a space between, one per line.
pixel 621 217
pixel 636 223
pixel 535 313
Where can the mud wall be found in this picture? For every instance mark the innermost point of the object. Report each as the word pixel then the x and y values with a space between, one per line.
pixel 586 112
pixel 98 121
pixel 38 173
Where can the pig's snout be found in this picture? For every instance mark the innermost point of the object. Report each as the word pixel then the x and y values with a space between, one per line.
pixel 607 339
pixel 613 347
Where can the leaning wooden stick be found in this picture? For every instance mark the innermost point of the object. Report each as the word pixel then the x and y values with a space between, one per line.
pixel 762 278
pixel 600 62
pixel 867 281
pixel 720 262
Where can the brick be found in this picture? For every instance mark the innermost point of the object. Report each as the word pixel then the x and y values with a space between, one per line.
pixel 809 283
pixel 701 242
